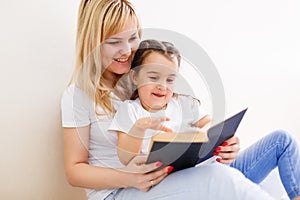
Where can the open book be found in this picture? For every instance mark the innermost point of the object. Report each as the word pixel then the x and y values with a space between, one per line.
pixel 184 150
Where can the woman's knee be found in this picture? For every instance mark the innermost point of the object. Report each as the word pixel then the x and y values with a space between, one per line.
pixel 281 134
pixel 282 137
pixel 283 141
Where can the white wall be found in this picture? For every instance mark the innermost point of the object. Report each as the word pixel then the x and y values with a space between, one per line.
pixel 37 56
pixel 255 46
pixel 252 43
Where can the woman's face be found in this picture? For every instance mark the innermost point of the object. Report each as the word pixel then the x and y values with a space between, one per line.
pixel 155 81
pixel 118 50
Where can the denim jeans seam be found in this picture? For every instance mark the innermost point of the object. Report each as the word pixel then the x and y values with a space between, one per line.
pixel 254 165
pixel 289 159
pixel 294 189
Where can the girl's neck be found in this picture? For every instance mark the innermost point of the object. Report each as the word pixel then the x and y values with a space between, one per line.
pixel 153 110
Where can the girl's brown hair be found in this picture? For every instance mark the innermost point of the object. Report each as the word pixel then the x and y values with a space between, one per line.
pixel 147 47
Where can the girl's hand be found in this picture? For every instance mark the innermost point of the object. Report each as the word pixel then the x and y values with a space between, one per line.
pixel 154 123
pixel 140 175
pixel 228 151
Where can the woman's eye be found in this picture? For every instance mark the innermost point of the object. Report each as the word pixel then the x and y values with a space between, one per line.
pixel 115 42
pixel 133 38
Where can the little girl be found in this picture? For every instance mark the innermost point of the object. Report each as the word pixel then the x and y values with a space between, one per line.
pixel 154 107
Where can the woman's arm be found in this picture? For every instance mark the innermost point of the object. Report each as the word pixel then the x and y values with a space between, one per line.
pixel 80 174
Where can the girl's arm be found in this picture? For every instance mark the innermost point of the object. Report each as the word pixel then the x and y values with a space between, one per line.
pixel 130 144
pixel 80 174
pixel 204 123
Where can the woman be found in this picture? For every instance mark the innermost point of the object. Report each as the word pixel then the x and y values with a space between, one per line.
pixel 107 38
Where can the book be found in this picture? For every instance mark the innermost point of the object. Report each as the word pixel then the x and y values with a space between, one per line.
pixel 179 150
pixel 187 149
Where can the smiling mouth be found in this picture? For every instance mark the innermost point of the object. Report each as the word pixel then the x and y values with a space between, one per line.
pixel 122 60
pixel 158 95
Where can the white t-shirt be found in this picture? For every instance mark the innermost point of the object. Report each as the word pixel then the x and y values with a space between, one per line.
pixel 183 111
pixel 79 111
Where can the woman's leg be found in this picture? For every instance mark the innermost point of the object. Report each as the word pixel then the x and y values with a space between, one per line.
pixel 276 149
pixel 209 182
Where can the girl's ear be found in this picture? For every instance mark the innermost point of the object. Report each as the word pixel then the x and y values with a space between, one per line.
pixel 133 76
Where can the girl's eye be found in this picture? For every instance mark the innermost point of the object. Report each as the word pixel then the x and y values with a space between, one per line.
pixel 153 78
pixel 170 80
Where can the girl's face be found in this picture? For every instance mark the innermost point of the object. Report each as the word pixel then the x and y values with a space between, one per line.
pixel 118 50
pixel 155 81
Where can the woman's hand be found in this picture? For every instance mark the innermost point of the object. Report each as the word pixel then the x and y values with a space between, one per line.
pixel 228 151
pixel 140 175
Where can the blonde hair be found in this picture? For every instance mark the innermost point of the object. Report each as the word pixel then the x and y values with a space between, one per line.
pixel 98 20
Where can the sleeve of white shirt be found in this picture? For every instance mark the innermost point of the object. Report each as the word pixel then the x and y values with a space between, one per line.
pixel 197 109
pixel 191 110
pixel 74 108
pixel 124 118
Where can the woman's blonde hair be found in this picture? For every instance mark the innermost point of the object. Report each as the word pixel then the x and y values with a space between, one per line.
pixel 98 20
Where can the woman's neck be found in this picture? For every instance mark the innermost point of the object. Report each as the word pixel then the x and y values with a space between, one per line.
pixel 110 79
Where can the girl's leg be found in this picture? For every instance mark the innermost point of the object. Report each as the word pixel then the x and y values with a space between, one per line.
pixel 209 182
pixel 276 149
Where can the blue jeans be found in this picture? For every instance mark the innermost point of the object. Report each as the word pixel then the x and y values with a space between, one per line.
pixel 277 149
